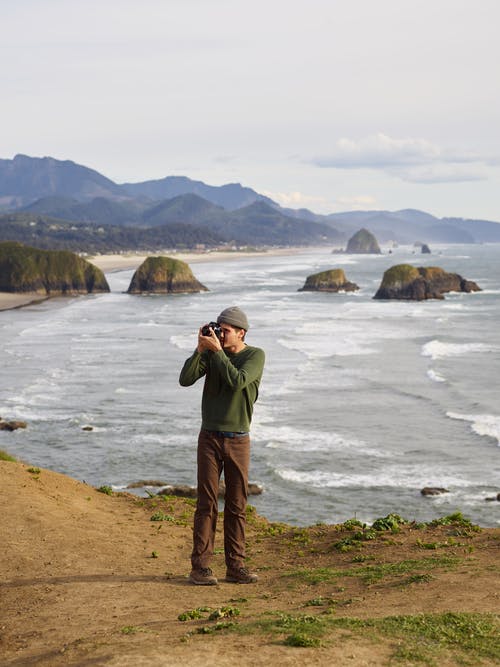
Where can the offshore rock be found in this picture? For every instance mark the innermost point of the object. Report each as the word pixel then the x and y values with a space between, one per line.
pixel 332 280
pixel 425 250
pixel 363 242
pixel 433 491
pixel 164 275
pixel 47 272
pixel 185 491
pixel 11 425
pixel 410 283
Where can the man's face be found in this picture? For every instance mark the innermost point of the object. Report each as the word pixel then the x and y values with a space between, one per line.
pixel 230 336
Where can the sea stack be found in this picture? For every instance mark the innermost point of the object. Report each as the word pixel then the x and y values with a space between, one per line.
pixel 164 275
pixel 47 272
pixel 332 280
pixel 363 242
pixel 406 282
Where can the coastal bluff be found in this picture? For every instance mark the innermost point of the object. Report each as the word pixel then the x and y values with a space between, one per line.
pixel 164 275
pixel 331 280
pixel 407 282
pixel 47 272
pixel 93 578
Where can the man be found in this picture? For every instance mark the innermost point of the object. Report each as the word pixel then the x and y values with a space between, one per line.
pixel 232 371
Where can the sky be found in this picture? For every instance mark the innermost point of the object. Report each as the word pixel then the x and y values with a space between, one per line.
pixel 331 105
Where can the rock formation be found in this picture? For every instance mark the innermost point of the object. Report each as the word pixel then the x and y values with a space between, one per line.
pixel 332 280
pixel 164 275
pixel 410 283
pixel 47 272
pixel 185 491
pixel 425 250
pixel 433 491
pixel 363 242
pixel 11 425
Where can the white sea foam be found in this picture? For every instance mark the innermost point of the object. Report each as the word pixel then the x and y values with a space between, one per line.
pixel 287 438
pixel 436 349
pixel 184 342
pixel 435 377
pixel 485 425
pixel 391 476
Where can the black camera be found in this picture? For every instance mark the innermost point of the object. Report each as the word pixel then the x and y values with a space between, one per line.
pixel 212 326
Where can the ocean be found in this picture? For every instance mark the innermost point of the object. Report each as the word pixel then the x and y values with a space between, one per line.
pixel 362 404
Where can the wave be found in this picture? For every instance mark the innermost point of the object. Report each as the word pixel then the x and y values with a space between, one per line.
pixel 392 476
pixel 288 438
pixel 436 349
pixel 435 377
pixel 185 342
pixel 484 425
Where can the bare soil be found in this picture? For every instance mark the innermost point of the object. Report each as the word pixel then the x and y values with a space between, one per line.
pixel 89 579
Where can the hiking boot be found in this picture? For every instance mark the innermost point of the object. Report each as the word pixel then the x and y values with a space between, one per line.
pixel 241 576
pixel 203 577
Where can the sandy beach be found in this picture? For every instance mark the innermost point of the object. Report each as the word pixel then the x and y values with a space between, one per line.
pixel 123 262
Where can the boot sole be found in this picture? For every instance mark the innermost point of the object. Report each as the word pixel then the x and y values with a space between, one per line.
pixel 202 583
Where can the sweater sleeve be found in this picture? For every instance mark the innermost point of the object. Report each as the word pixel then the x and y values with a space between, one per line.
pixel 194 368
pixel 239 378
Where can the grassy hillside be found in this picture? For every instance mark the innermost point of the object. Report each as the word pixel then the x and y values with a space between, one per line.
pixel 88 576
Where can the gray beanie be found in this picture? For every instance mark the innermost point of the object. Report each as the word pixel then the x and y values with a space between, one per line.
pixel 234 316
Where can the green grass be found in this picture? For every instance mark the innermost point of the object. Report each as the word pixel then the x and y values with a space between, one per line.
pixel 106 489
pixel 6 457
pixel 371 574
pixel 425 639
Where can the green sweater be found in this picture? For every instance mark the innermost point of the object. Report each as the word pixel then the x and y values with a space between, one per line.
pixel 231 386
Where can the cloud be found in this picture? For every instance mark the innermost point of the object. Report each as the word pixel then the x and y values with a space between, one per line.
pixel 411 159
pixel 324 205
pixel 442 173
pixel 296 199
pixel 357 203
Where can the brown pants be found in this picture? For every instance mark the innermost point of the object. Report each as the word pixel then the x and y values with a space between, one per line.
pixel 217 452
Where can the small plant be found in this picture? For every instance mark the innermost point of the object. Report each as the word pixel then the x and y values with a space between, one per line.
pixel 193 614
pixel 300 639
pixel 209 629
pixel 131 630
pixel 106 489
pixel 161 516
pixel 355 540
pixel 224 612
pixel 392 522
pixel 455 519
pixel 155 554
pixel 34 471
pixel 351 524
pixel 317 602
pixel 419 579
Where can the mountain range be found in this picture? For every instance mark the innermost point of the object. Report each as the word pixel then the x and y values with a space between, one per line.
pixel 58 203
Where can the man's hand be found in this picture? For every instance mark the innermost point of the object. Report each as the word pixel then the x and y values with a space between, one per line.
pixel 211 342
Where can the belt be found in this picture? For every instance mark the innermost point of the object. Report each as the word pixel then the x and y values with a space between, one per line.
pixel 230 434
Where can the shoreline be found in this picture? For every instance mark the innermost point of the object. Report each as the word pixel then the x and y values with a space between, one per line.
pixel 116 262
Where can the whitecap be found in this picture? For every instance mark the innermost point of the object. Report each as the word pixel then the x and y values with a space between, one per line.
pixel 436 349
pixel 391 476
pixel 435 377
pixel 291 439
pixel 184 342
pixel 487 425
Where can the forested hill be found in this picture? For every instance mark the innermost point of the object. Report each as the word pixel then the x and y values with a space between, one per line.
pixel 50 201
